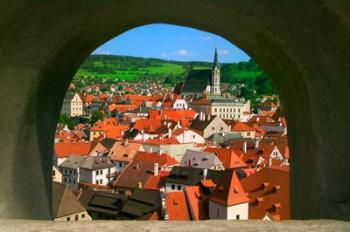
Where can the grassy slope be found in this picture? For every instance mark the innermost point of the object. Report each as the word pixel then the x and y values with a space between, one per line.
pixel 133 68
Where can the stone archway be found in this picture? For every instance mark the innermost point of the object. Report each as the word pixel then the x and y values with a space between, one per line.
pixel 303 46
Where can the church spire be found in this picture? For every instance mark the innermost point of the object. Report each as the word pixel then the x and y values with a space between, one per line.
pixel 215 58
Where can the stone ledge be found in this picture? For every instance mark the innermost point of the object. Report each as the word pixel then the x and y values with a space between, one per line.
pixel 214 225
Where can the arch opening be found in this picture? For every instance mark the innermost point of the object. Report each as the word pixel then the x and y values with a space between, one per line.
pixel 140 120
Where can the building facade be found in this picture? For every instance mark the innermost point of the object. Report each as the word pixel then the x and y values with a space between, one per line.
pixel 72 105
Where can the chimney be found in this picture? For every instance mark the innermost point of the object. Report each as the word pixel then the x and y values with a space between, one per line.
pixel 143 135
pixel 270 161
pixel 245 147
pixel 256 144
pixel 205 173
pixel 169 132
pixel 155 169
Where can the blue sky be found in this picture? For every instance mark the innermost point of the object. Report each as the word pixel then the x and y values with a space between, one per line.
pixel 172 42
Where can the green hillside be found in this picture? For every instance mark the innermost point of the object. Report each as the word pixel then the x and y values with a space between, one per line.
pixel 135 68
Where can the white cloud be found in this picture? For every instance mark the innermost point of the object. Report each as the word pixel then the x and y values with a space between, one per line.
pixel 205 37
pixel 182 52
pixel 223 52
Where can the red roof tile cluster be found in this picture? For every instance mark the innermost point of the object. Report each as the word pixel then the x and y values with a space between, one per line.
pixel 172 114
pixel 110 128
pixel 268 193
pixel 228 157
pixel 229 191
pixel 63 150
pixel 197 202
pixel 156 182
pixel 153 157
pixel 241 126
pixel 176 206
pixel 120 107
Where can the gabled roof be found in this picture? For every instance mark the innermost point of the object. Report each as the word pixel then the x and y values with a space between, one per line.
pixel 176 206
pixel 141 203
pixel 228 190
pixel 135 173
pixel 197 202
pixel 153 157
pixel 240 126
pixel 156 182
pixel 191 176
pixel 268 191
pixel 197 81
pixel 64 202
pixel 228 157
pixel 124 151
pixel 102 202
pixel 63 150
pixel 95 163
pixel 73 162
pixel 200 125
pixel 200 159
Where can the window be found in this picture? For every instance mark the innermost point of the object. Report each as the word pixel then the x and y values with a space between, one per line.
pixel 179 187
pixel 194 136
pixel 70 181
pixel 83 215
pixel 97 173
pixel 237 217
pixel 76 217
pixel 75 172
pixel 70 171
pixel 221 128
pixel 96 181
pixel 68 218
pixel 173 187
pixel 213 128
pixel 120 165
pixel 216 110
pixel 53 173
pixel 100 181
pixel 65 180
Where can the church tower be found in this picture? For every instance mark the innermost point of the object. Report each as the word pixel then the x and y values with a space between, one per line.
pixel 215 87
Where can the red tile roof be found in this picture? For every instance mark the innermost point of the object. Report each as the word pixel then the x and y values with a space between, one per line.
pixel 156 182
pixel 229 191
pixel 176 206
pixel 240 126
pixel 153 157
pixel 63 150
pixel 268 191
pixel 228 157
pixel 197 202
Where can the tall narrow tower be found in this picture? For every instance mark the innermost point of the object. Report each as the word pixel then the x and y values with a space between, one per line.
pixel 215 87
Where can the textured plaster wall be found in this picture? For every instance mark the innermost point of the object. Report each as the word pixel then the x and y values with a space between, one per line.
pixel 303 45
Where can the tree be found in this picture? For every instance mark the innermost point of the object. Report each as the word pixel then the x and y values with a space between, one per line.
pixel 97 115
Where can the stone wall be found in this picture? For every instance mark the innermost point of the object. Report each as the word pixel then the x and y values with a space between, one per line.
pixel 303 46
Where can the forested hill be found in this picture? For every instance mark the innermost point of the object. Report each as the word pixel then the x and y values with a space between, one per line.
pixel 135 68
